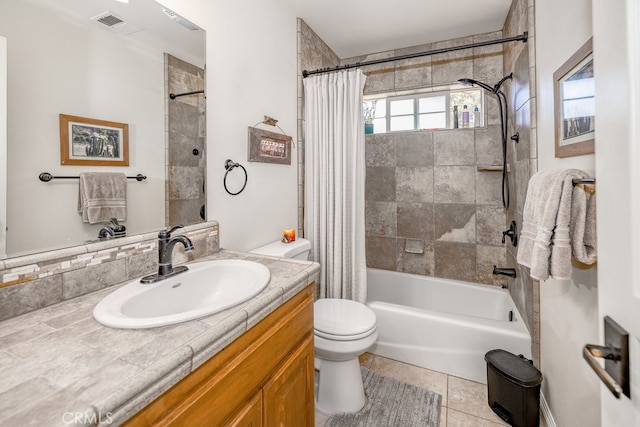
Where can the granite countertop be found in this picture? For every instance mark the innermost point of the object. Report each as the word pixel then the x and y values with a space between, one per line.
pixel 59 367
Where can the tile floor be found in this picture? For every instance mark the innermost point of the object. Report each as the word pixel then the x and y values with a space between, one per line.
pixel 464 402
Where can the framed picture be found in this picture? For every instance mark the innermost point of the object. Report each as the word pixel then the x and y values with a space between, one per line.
pixel 269 147
pixel 574 97
pixel 93 142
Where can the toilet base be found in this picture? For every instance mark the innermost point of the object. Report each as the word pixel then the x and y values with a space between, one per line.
pixel 340 388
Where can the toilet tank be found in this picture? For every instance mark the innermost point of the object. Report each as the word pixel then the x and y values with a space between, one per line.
pixel 298 249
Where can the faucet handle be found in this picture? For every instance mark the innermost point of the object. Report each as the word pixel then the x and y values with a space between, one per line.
pixel 511 233
pixel 117 228
pixel 174 228
pixel 165 234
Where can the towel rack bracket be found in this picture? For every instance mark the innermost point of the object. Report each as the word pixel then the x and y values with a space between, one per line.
pixel 45 177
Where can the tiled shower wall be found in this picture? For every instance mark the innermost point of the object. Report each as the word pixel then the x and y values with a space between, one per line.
pixel 185 142
pixel 521 92
pixel 430 208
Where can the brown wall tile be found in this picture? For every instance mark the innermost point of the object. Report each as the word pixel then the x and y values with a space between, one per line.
pixel 380 184
pixel 413 263
pixel 455 260
pixel 414 184
pixel 455 223
pixel 381 150
pixel 454 184
pixel 415 220
pixel 491 223
pixel 454 147
pixel 381 252
pixel 486 258
pixel 414 148
pixel 380 219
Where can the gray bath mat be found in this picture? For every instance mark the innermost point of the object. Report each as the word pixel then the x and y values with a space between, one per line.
pixel 392 403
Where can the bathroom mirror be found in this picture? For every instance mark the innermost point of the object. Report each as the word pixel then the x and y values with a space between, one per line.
pixel 100 59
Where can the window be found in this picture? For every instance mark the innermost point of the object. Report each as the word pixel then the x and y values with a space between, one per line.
pixel 432 110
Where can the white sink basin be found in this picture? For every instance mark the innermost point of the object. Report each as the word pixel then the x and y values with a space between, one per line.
pixel 206 288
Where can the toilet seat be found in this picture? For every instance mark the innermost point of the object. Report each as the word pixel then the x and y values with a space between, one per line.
pixel 342 320
pixel 343 337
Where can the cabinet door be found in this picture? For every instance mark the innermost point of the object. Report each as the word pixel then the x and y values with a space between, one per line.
pixel 250 415
pixel 288 396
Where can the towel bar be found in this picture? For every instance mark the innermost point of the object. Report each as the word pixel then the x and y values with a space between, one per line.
pixel 46 177
pixel 492 168
pixel 577 181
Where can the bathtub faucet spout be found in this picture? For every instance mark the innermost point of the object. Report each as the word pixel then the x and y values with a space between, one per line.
pixel 511 272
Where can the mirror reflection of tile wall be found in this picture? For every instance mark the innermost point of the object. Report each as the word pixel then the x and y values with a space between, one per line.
pixel 185 138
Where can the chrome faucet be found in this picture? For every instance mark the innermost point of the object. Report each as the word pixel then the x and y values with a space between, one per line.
pixel 113 231
pixel 165 251
pixel 105 233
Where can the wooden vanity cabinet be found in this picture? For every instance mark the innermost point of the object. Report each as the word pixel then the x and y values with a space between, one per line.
pixel 263 378
pixel 250 415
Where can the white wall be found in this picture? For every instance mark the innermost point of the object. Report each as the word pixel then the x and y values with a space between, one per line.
pixel 568 309
pixel 3 146
pixel 77 69
pixel 250 72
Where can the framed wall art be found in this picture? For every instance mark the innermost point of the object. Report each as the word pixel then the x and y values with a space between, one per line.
pixel 93 142
pixel 574 96
pixel 268 147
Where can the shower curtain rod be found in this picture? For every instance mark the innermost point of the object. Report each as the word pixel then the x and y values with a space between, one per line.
pixel 522 37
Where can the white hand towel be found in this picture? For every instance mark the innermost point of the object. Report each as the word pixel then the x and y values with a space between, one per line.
pixel 102 196
pixel 545 241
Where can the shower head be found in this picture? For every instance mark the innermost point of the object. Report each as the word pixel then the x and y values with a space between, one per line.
pixel 471 82
pixel 495 89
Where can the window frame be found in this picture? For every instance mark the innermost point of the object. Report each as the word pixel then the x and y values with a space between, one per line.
pixel 416 96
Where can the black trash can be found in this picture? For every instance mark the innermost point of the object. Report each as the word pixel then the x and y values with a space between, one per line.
pixel 514 388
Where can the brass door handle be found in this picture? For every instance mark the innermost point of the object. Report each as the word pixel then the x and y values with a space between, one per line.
pixel 590 352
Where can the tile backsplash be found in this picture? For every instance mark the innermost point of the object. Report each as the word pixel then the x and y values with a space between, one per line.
pixel 35 281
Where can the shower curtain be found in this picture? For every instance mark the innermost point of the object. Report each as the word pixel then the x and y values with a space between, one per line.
pixel 334 182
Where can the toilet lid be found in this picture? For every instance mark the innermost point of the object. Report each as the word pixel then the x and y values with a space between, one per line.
pixel 341 318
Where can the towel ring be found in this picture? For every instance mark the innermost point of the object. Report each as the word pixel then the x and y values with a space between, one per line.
pixel 229 165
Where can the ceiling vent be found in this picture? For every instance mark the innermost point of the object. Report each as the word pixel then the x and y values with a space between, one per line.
pixel 115 23
pixel 180 20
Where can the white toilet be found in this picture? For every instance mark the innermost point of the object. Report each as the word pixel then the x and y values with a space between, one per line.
pixel 344 329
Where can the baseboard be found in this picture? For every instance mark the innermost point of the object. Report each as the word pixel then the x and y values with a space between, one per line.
pixel 546 412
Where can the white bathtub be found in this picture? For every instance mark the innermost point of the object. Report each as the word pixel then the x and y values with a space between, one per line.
pixel 443 325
